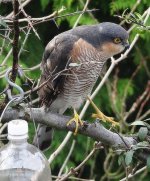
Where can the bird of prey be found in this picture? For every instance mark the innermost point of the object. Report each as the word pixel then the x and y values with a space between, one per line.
pixel 71 64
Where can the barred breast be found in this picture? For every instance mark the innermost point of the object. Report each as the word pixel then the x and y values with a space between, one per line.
pixel 81 79
pixel 80 83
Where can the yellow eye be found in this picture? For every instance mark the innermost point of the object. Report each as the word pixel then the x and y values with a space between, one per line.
pixel 117 40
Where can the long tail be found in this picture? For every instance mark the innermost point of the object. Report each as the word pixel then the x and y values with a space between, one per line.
pixel 43 137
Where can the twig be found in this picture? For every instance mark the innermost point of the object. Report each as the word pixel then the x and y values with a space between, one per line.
pixel 147 98
pixel 112 93
pixel 136 173
pixel 38 20
pixel 34 101
pixel 25 40
pixel 3 43
pixel 90 13
pixel 28 19
pixel 2 74
pixel 144 115
pixel 143 60
pixel 127 146
pixel 61 16
pixel 128 85
pixel 108 164
pixel 6 38
pixel 75 170
pixel 3 127
pixel 4 110
pixel 67 158
pixel 146 13
pixel 6 58
pixel 74 178
pixel 84 9
pixel 137 102
pixel 49 78
pixel 132 10
pixel 50 17
pixel 32 68
pixel 61 146
pixel 24 4
pixel 127 173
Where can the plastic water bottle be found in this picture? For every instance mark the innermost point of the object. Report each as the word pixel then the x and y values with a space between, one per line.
pixel 19 160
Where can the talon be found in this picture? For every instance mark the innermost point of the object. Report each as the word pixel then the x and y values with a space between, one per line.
pixel 101 116
pixel 77 121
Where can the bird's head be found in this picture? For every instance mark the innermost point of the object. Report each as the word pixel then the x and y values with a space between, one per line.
pixel 113 38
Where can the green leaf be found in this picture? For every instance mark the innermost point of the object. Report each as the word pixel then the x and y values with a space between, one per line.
pixel 148 164
pixel 138 123
pixel 121 159
pixel 128 157
pixel 142 133
pixel 143 144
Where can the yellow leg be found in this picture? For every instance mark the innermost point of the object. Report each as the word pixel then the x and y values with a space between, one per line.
pixel 77 120
pixel 100 115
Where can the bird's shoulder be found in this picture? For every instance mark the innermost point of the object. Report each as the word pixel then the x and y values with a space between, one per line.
pixel 64 49
pixel 57 52
pixel 81 48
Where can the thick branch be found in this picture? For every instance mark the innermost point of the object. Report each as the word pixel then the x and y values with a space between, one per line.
pixel 15 40
pixel 93 130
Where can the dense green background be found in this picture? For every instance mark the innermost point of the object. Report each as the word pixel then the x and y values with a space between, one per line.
pixel 115 98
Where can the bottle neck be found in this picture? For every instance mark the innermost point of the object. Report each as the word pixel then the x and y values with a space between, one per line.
pixel 18 142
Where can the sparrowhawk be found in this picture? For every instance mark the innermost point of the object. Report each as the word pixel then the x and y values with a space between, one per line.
pixel 71 64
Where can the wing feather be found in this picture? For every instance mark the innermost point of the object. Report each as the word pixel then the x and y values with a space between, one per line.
pixel 55 59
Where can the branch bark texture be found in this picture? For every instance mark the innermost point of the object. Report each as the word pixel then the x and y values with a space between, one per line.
pixel 15 40
pixel 94 130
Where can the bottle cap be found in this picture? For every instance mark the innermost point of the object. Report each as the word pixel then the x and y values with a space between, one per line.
pixel 17 129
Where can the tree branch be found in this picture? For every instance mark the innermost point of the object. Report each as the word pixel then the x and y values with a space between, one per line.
pixel 94 130
pixel 15 40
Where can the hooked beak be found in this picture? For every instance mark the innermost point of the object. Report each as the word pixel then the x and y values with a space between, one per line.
pixel 126 45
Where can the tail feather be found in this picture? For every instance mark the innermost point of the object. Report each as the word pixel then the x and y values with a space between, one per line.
pixel 43 137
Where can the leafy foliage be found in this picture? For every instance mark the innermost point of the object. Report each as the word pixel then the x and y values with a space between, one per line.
pixel 73 6
pixel 121 5
pixel 115 98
